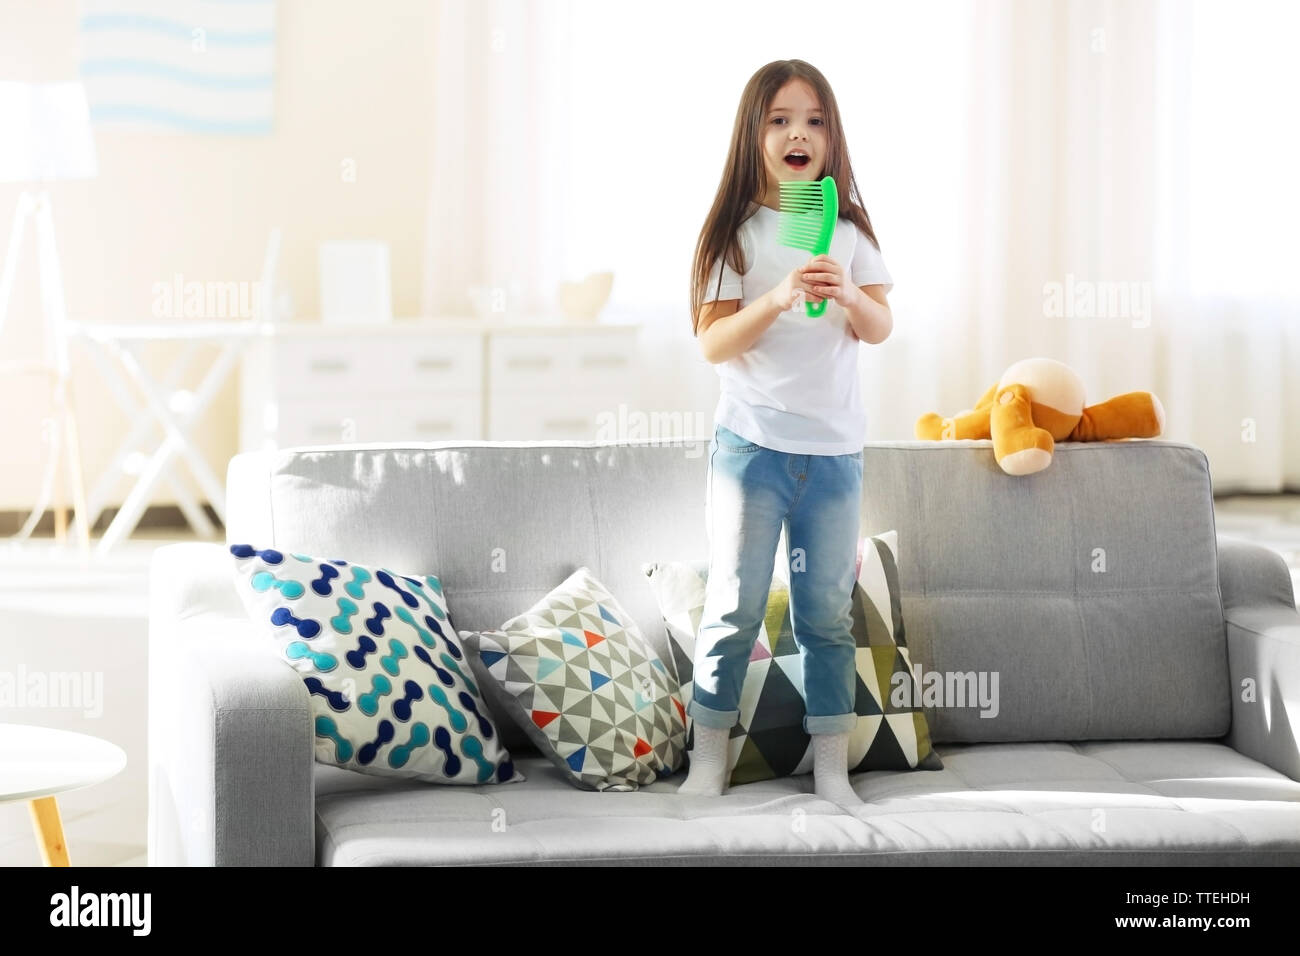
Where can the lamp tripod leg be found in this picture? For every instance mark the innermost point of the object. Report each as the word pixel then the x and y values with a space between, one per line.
pixel 60 512
pixel 75 473
pixel 50 434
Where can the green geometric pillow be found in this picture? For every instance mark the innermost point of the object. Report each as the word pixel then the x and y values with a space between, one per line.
pixel 768 739
pixel 576 674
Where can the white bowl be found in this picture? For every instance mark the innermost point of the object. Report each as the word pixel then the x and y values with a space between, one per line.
pixel 582 301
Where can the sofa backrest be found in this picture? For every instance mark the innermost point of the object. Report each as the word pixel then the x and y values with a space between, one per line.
pixel 1090 589
pixel 1079 603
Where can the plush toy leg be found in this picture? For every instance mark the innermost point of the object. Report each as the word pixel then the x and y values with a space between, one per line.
pixel 1131 415
pixel 986 400
pixel 971 424
pixel 1019 446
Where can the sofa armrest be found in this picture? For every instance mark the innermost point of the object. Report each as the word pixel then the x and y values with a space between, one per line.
pixel 1251 574
pixel 1263 632
pixel 230 730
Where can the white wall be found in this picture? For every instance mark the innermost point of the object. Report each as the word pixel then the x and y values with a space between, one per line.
pixel 353 81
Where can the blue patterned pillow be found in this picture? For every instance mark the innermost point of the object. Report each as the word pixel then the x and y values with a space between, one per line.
pixel 391 691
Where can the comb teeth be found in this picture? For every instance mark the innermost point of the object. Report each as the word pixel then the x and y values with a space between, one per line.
pixel 799 230
pixel 802 200
pixel 805 209
pixel 797 195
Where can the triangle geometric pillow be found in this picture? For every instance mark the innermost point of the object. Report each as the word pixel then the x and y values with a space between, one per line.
pixel 768 739
pixel 578 677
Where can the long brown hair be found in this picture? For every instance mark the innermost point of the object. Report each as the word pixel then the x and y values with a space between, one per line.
pixel 744 176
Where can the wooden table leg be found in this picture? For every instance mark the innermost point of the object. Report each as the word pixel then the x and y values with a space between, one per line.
pixel 49 831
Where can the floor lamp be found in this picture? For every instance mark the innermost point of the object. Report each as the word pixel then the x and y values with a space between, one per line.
pixel 45 136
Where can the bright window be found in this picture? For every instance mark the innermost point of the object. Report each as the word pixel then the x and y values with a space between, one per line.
pixel 653 98
pixel 1244 168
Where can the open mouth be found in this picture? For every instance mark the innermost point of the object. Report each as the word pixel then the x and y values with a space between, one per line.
pixel 797 159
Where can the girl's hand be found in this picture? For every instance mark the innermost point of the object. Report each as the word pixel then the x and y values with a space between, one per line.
pixel 785 294
pixel 825 277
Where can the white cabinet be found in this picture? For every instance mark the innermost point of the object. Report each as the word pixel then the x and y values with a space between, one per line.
pixel 548 385
pixel 421 380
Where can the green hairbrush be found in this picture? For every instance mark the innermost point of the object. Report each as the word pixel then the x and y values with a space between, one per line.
pixel 808 215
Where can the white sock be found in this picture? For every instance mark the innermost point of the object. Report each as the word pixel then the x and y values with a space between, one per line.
pixel 831 769
pixel 708 773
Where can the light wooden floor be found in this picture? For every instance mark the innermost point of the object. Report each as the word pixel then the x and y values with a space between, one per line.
pixel 57 615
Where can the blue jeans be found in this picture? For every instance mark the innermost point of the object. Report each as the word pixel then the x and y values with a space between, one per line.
pixel 752 493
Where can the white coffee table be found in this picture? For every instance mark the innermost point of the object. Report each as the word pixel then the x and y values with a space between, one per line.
pixel 37 762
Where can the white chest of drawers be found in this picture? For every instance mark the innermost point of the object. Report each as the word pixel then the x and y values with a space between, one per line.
pixel 432 380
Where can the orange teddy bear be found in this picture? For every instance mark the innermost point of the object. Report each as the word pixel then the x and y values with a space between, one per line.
pixel 1037 403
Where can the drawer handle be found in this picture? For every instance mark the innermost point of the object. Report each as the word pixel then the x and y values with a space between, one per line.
pixel 610 360
pixel 329 365
pixel 539 361
pixel 320 428
pixel 580 424
pixel 434 363
pixel 441 425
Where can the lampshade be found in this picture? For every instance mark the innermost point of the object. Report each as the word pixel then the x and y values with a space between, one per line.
pixel 45 133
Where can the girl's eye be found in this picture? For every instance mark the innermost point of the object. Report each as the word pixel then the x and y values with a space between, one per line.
pixel 781 119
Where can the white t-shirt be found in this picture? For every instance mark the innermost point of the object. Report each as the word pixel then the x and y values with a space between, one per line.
pixel 796 388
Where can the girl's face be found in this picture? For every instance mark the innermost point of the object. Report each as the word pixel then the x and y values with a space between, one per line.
pixel 794 124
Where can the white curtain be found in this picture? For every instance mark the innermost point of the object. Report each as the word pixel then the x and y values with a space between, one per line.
pixel 497 203
pixel 1111 183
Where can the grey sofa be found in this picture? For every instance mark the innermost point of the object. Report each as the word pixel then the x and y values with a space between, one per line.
pixel 1147 673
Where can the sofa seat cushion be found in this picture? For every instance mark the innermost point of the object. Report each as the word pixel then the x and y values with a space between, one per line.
pixel 1194 802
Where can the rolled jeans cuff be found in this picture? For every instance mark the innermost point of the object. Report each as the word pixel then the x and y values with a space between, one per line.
pixel 707 717
pixel 833 724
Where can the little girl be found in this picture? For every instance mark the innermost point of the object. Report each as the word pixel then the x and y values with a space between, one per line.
pixel 790 425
